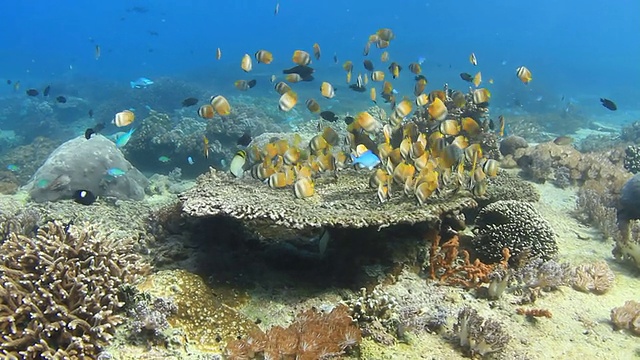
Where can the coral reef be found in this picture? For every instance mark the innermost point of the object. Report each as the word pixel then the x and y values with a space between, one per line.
pixel 594 277
pixel 596 205
pixel 81 164
pixel 515 225
pixel 562 177
pixel 344 201
pixel 631 132
pixel 544 275
pixel 446 266
pixel 478 335
pixel 376 314
pixel 632 159
pixel 147 316
pixel 206 316
pixel 313 335
pixel 628 212
pixel 627 316
pixel 58 294
pixel 540 161
pixel 508 186
pixel 24 222
pixel 510 144
pixel 28 158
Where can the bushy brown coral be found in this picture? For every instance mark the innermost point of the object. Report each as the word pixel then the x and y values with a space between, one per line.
pixel 58 291
pixel 594 277
pixel 627 316
pixel 313 335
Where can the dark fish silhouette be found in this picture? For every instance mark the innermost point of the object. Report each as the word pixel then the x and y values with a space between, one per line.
pixel 8 82
pixel 245 139
pixel 189 102
pixel 609 104
pixel 94 130
pixel 349 119
pixel 466 77
pixel 84 197
pixel 304 72
pixel 368 64
pixel 32 92
pixel 357 88
pixel 46 90
pixel 329 116
pixel 61 99
pixel 91 113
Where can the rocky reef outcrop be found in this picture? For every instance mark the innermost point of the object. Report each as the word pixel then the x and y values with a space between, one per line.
pixel 80 164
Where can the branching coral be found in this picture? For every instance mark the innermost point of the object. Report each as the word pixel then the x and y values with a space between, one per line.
pixel 446 267
pixel 58 291
pixel 313 335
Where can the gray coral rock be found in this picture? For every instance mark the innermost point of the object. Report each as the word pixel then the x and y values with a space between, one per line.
pixel 81 164
pixel 515 225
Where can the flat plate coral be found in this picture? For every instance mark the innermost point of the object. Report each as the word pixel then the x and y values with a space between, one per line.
pixel 344 201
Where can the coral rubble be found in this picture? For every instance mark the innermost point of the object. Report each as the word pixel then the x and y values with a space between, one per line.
pixel 58 294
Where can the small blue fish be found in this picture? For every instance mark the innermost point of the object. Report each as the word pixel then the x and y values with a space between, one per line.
pixel 140 83
pixel 13 167
pixel 368 159
pixel 115 172
pixel 190 160
pixel 124 138
pixel 421 60
pixel 164 159
pixel 42 183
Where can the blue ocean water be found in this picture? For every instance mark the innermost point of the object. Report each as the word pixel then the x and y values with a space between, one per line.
pixel 577 51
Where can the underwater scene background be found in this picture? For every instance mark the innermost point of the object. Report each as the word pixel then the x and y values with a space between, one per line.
pixel 312 180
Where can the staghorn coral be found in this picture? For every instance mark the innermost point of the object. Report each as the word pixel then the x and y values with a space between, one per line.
pixel 313 335
pixel 24 222
pixel 480 336
pixel 627 316
pixel 562 177
pixel 594 277
pixel 58 294
pixel 515 225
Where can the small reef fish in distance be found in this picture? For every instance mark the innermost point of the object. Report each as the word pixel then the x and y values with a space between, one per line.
pixel 61 99
pixel 189 102
pixel 94 130
pixel 13 167
pixel 32 92
pixel 609 104
pixel 190 160
pixel 84 197
pixel 97 52
pixel 164 159
pixel 124 139
pixel 237 163
pixel 205 146
pixel 367 159
pixel 524 74
pixel 46 90
pixel 329 116
pixel 123 118
pixel 245 139
pixel 563 140
pixel 115 172
pixel 140 83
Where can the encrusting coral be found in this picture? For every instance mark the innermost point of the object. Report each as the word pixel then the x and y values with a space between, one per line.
pixel 59 291
pixel 313 335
